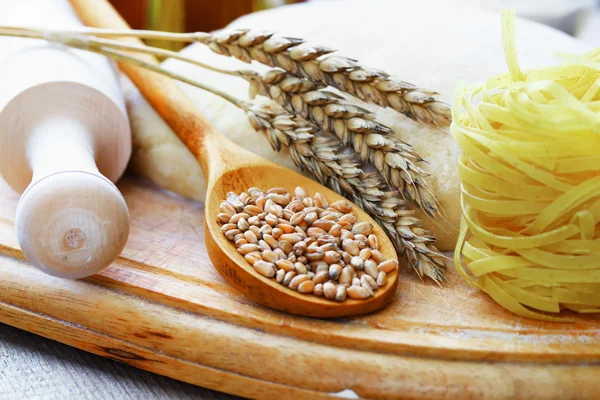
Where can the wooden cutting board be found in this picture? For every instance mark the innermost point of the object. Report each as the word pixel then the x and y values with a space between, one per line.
pixel 162 307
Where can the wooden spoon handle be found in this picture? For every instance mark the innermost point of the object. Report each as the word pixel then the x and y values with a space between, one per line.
pixel 176 109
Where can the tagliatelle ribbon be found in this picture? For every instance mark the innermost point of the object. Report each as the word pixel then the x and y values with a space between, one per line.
pixel 530 195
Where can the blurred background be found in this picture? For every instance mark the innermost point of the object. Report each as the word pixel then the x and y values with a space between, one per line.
pixel 579 18
pixel 189 15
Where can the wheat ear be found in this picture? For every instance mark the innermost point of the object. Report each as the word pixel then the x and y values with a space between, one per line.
pixel 354 126
pixel 339 169
pixel 319 65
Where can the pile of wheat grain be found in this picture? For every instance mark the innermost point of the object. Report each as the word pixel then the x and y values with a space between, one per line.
pixel 305 243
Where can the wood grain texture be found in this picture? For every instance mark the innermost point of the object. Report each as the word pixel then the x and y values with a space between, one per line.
pixel 163 307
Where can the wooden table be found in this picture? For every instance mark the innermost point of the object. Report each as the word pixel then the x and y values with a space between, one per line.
pixel 32 367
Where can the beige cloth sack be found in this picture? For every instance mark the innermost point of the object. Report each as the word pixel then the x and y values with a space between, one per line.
pixel 430 44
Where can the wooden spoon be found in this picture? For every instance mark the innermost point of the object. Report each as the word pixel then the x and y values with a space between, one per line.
pixel 228 167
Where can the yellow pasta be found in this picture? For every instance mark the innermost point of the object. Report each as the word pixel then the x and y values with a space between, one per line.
pixel 530 196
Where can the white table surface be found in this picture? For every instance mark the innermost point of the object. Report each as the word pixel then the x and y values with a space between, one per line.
pixel 32 367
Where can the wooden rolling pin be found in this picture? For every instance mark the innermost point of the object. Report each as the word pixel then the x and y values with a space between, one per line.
pixel 64 140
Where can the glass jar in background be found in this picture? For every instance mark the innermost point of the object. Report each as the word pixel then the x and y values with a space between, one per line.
pixel 166 15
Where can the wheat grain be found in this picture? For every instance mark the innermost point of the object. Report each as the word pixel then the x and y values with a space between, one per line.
pixel 303 242
pixel 319 65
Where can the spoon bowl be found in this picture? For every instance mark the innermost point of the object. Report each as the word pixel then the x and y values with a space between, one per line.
pixel 246 171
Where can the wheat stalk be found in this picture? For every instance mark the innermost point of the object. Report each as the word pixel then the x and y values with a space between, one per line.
pixel 318 64
pixel 394 159
pixel 320 155
pixel 339 169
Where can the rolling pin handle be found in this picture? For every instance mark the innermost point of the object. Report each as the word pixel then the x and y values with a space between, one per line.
pixel 71 221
